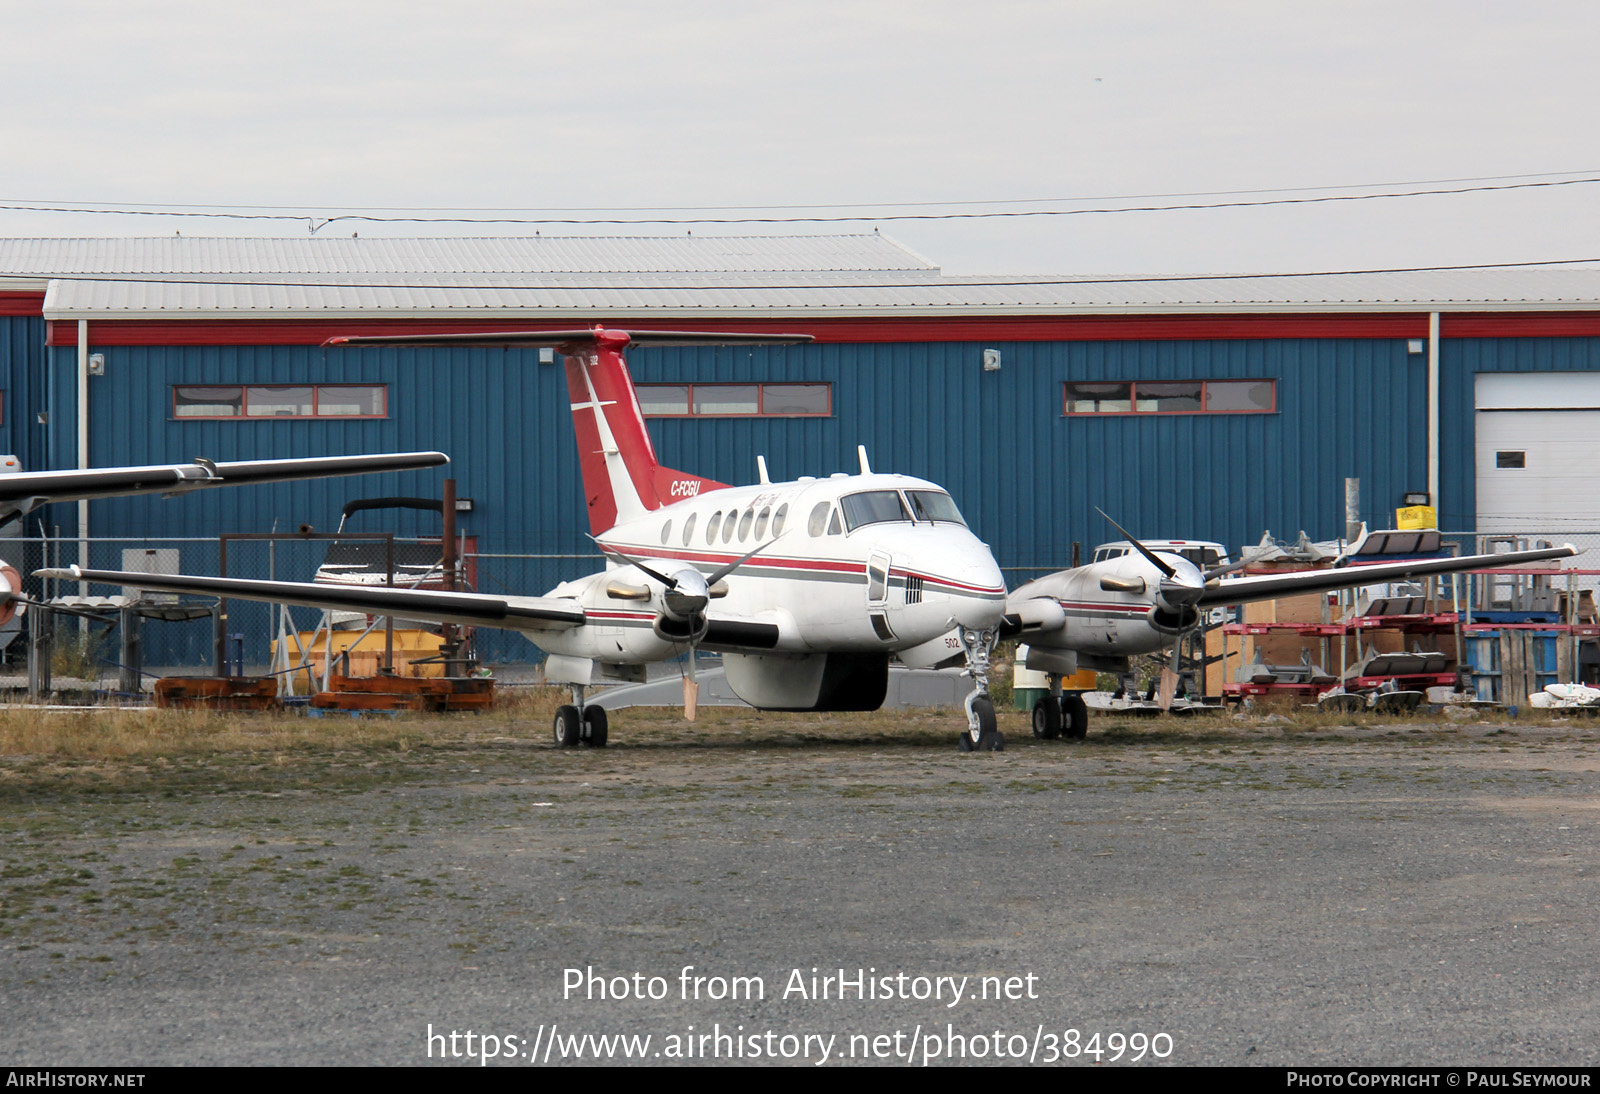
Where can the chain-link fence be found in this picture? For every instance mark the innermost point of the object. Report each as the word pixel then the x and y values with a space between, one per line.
pixel 251 627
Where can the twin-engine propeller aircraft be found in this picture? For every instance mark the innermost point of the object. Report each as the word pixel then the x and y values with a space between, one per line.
pixel 21 492
pixel 1101 615
pixel 807 588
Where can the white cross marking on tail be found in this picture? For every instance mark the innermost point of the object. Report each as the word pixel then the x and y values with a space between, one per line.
pixel 629 503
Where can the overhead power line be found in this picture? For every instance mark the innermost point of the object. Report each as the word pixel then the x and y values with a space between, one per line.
pixel 181 207
pixel 316 223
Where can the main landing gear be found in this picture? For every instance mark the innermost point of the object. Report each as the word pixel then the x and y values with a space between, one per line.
pixel 1060 712
pixel 981 734
pixel 579 723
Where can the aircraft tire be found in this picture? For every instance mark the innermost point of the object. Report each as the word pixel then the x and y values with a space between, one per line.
pixel 1075 716
pixel 594 724
pixel 568 726
pixel 989 739
pixel 1047 718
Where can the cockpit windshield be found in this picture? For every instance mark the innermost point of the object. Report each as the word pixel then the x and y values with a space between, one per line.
pixel 934 505
pixel 883 506
pixel 873 507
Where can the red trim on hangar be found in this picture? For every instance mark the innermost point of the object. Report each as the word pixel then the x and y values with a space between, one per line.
pixel 1027 328
pixel 21 303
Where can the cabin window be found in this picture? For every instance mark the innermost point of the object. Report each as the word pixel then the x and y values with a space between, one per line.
pixel 666 531
pixel 761 521
pixel 834 527
pixel 819 519
pixel 280 401
pixel 744 524
pixel 688 528
pixel 1171 397
pixel 727 528
pixel 736 400
pixel 711 527
pixel 778 519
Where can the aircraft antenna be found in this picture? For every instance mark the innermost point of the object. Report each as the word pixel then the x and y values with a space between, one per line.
pixel 861 451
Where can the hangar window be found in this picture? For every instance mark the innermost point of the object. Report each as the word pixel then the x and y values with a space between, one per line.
pixel 1172 397
pixel 736 400
pixel 280 401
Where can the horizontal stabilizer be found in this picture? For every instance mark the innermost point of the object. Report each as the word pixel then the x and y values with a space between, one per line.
pixel 576 338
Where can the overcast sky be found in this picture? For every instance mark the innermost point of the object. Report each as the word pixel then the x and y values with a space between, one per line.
pixel 337 105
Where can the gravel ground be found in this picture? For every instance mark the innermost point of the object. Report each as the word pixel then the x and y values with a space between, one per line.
pixel 1259 894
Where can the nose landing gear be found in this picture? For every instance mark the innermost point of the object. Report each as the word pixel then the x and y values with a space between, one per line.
pixel 981 734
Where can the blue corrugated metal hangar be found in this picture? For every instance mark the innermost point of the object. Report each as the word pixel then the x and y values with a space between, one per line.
pixel 1209 408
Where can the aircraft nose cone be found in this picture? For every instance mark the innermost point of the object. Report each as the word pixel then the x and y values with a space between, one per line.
pixel 974 580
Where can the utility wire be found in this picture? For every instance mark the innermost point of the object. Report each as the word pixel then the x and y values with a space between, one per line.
pixel 317 223
pixel 143 205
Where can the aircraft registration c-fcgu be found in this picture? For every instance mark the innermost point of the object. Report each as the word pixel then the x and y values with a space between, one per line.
pixel 807 588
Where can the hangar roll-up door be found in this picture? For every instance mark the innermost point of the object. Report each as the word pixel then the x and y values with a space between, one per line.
pixel 1537 451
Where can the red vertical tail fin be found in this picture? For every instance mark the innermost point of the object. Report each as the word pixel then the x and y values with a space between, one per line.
pixel 621 476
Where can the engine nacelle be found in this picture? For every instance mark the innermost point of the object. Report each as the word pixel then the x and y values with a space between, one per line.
pixel 1173 618
pixel 690 629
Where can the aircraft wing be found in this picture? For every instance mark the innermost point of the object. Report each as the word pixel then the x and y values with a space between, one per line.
pixel 469 609
pixel 23 492
pixel 1245 590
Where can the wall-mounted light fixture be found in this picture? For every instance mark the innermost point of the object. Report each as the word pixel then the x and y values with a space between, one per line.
pixel 547 355
pixel 991 360
pixel 97 364
pixel 1414 345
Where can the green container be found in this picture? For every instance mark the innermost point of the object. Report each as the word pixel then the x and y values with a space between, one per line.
pixel 1024 698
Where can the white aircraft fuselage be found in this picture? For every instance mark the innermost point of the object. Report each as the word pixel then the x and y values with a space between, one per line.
pixel 824 581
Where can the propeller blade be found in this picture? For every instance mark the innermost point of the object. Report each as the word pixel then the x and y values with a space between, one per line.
pixel 669 582
pixel 1149 555
pixel 691 690
pixel 1167 690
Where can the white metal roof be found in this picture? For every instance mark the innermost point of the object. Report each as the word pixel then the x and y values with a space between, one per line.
pixel 853 293
pixel 702 275
pixel 512 256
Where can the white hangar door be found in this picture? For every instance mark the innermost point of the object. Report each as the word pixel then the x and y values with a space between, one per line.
pixel 1538 451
